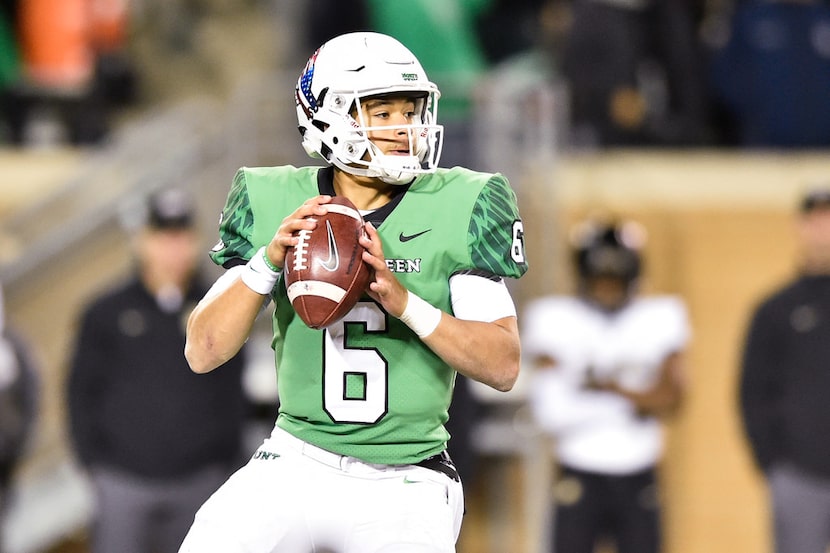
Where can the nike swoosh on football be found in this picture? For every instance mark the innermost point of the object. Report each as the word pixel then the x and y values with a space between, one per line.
pixel 333 262
pixel 406 238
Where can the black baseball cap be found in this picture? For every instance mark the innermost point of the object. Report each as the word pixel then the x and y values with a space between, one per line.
pixel 815 198
pixel 171 208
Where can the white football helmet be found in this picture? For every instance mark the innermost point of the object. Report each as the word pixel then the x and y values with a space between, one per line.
pixel 351 68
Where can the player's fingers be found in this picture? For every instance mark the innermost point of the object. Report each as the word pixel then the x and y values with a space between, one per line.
pixel 302 219
pixel 373 257
pixel 371 241
pixel 311 207
pixel 371 232
pixel 316 202
pixel 293 224
pixel 376 263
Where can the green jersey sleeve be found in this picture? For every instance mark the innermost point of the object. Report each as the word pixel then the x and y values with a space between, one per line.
pixel 236 226
pixel 496 234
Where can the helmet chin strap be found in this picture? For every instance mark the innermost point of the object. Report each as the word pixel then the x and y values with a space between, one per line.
pixel 387 175
pixel 395 170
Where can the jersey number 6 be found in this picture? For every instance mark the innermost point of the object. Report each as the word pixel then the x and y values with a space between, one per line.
pixel 355 378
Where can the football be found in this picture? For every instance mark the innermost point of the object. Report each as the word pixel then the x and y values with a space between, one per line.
pixel 325 274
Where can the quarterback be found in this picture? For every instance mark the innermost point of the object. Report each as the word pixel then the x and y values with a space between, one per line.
pixel 357 460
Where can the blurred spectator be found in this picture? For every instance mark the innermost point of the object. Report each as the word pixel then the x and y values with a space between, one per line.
pixel 73 69
pixel 784 387
pixel 56 45
pixel 155 438
pixel 19 398
pixel 608 364
pixel 115 74
pixel 54 100
pixel 771 77
pixel 635 74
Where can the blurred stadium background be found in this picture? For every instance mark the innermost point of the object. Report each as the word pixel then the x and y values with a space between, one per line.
pixel 718 222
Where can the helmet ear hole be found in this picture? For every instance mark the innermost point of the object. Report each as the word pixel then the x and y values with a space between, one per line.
pixel 325 151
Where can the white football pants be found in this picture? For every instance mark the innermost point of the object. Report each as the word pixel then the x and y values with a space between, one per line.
pixel 293 497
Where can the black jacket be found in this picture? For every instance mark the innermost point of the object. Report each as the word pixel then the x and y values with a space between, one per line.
pixel 134 403
pixel 785 380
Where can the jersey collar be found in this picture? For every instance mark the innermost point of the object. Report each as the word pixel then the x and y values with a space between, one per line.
pixel 325 185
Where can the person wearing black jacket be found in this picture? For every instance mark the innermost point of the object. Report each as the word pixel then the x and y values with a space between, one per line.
pixel 784 387
pixel 155 438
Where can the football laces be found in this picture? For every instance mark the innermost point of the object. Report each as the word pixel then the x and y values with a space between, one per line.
pixel 301 250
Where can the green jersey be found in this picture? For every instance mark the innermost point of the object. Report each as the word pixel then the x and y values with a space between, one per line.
pixel 367 386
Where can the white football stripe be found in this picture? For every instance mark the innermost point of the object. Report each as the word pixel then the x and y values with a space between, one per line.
pixel 344 210
pixel 315 288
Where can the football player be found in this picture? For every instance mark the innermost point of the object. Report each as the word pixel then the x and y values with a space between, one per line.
pixel 357 460
pixel 609 364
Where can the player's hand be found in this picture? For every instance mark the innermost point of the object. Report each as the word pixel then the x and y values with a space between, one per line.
pixel 298 220
pixel 384 287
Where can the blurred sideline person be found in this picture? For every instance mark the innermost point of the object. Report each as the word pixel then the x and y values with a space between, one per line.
pixel 155 438
pixel 784 387
pixel 608 364
pixel 357 461
pixel 646 84
pixel 19 402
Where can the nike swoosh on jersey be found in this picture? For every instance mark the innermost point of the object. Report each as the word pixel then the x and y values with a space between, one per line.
pixel 333 262
pixel 407 237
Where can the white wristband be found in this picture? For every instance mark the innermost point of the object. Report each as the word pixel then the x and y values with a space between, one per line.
pixel 420 316
pixel 259 275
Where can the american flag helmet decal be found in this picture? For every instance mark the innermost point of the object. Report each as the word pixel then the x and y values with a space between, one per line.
pixel 304 86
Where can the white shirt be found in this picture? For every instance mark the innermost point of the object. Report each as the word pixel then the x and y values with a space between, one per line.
pixel 600 431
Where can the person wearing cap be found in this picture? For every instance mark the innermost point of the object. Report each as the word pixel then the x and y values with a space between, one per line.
pixel 609 366
pixel 155 438
pixel 784 387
